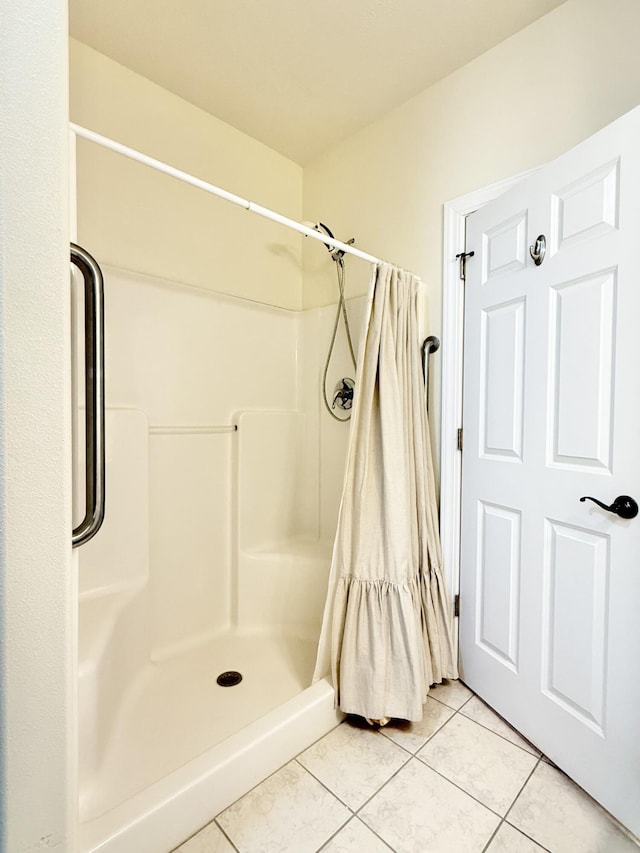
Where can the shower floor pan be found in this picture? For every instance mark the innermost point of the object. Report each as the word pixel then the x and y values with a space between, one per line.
pixel 183 747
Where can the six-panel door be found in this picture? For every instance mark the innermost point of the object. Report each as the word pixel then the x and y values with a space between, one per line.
pixel 550 586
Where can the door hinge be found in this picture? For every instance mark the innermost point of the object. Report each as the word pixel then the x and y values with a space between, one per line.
pixel 456 605
pixel 462 258
pixel 459 445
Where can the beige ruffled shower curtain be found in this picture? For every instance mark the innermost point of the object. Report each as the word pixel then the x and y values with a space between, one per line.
pixel 387 632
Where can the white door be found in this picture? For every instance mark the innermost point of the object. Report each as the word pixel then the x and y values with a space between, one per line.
pixel 550 585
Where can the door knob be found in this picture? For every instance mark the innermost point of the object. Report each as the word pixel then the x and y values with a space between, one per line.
pixel 623 505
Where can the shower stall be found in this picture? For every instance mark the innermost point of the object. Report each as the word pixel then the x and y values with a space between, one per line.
pixel 201 597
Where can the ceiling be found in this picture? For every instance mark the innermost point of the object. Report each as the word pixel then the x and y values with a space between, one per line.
pixel 295 74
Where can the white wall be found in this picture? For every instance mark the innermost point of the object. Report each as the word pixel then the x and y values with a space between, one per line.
pixel 37 619
pixel 517 106
pixel 138 219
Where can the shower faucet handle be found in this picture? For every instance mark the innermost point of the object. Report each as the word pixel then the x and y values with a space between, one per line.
pixel 343 394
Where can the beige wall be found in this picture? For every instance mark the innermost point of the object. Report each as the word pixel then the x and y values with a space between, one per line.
pixel 132 217
pixel 517 106
pixel 38 598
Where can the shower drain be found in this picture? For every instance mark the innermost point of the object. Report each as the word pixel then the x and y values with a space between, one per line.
pixel 229 679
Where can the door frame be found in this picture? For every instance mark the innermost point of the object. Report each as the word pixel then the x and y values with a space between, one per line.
pixel 454 227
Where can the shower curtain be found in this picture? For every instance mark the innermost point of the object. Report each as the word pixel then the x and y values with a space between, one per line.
pixel 387 626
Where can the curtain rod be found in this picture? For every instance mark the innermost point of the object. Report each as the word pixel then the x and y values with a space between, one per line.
pixel 217 191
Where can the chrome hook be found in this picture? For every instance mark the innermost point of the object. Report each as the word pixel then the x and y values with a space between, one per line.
pixel 538 250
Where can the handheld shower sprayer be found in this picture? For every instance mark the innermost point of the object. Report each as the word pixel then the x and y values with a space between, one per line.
pixel 344 390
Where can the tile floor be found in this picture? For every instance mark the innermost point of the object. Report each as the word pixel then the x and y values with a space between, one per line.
pixel 461 781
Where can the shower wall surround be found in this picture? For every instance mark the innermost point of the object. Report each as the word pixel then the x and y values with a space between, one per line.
pixel 182 364
pixel 185 367
pixel 212 536
pixel 217 541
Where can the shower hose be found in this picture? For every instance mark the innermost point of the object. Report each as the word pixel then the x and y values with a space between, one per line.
pixel 341 309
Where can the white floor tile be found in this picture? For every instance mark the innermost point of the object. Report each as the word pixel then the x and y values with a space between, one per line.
pixel 290 812
pixel 476 710
pixel 479 761
pixel 355 838
pixel 209 840
pixel 563 818
pixel 413 736
pixel 452 693
pixel 418 810
pixel 353 762
pixel 510 840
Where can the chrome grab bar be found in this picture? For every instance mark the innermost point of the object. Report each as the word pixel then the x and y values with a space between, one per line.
pixel 94 395
pixel 429 346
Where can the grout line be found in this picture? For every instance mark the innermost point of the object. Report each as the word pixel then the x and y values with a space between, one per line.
pixel 526 781
pixel 330 839
pixel 338 830
pixel 442 702
pixel 427 737
pixel 237 849
pixel 530 837
pixel 536 754
pixel 351 809
pixel 409 754
pixel 317 740
pixel 384 784
pixel 456 711
pixel 526 835
pixel 277 770
pixel 504 818
pixel 344 826
pixel 426 764
pixel 257 785
pixel 399 745
pixel 471 719
pixel 386 843
pixel 295 759
pixel 433 733
pixel 320 782
pixel 493 835
pixel 202 829
pixel 355 813
pixel 455 785
pixel 634 838
pixel 451 782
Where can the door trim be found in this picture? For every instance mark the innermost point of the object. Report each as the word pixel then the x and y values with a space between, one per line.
pixel 455 213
